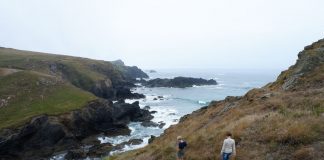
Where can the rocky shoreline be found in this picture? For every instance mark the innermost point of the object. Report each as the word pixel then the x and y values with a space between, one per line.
pixel 177 82
pixel 45 135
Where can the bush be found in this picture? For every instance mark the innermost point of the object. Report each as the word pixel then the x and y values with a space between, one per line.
pixel 304 154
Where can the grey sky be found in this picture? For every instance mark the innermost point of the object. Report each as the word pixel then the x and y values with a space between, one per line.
pixel 166 33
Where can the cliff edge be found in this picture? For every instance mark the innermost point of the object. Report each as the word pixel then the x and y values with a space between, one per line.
pixel 282 120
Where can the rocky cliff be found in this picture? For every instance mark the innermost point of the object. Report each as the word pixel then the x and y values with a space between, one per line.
pixel 51 103
pixel 45 134
pixel 281 121
pixel 102 78
pixel 307 72
pixel 131 72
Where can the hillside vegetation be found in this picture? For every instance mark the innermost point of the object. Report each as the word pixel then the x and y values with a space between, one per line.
pixel 54 64
pixel 25 94
pixel 283 120
pixel 33 84
pixel 102 78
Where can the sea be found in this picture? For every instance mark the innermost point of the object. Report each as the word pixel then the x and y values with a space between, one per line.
pixel 170 104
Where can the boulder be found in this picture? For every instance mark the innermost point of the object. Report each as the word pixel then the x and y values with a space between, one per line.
pixel 149 124
pixel 152 71
pixel 100 150
pixel 161 124
pixel 75 154
pixel 130 142
pixel 147 108
pixel 151 139
pixel 135 141
pixel 91 140
pixel 153 112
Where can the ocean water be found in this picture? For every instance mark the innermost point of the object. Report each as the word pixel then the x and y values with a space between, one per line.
pixel 177 102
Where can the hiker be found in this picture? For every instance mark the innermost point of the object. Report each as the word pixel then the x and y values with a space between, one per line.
pixel 181 145
pixel 228 147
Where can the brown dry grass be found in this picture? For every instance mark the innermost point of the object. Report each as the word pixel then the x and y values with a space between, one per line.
pixel 7 71
pixel 267 123
pixel 277 127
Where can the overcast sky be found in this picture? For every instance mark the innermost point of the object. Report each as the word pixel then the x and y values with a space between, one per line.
pixel 247 34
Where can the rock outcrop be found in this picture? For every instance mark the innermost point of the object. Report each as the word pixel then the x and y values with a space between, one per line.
pixel 116 91
pixel 45 134
pixel 309 60
pixel 177 82
pixel 130 72
pixel 152 71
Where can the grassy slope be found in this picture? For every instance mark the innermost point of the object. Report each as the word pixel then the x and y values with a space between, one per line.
pixel 31 83
pixel 79 71
pixel 28 94
pixel 267 123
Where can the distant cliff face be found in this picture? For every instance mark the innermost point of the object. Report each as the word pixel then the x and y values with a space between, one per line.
pixel 131 72
pixel 102 78
pixel 283 120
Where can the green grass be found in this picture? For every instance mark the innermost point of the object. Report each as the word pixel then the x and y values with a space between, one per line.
pixel 33 94
pixel 318 109
pixel 29 97
pixel 92 70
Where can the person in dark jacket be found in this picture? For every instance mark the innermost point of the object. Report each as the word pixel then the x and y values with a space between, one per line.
pixel 181 145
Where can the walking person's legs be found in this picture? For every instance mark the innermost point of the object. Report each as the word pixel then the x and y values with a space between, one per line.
pixel 226 156
pixel 180 155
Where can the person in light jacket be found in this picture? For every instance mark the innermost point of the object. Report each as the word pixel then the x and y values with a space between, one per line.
pixel 228 148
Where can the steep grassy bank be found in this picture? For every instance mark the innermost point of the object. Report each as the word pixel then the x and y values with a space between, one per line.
pixel 53 103
pixel 25 94
pixel 283 120
pixel 33 83
pixel 102 78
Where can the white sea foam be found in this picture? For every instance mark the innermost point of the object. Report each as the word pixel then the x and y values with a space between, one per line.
pixel 203 86
pixel 149 99
pixel 58 156
pixel 131 147
pixel 210 87
pixel 202 102
pixel 138 84
pixel 165 114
